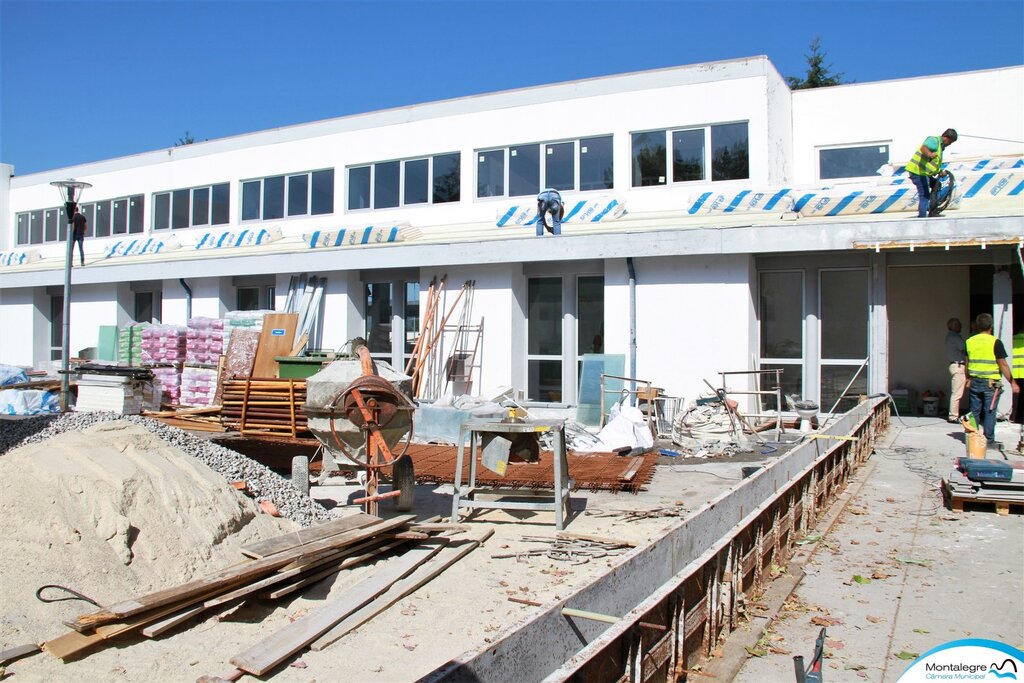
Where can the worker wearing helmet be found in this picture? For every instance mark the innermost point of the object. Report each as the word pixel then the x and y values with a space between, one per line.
pixel 925 169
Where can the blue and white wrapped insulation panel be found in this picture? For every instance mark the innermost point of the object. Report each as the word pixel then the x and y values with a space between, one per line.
pixel 353 237
pixel 230 239
pixel 595 210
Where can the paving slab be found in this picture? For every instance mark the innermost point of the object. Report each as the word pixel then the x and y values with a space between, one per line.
pixel 898 573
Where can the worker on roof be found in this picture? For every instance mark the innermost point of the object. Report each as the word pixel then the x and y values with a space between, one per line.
pixel 986 361
pixel 549 201
pixel 925 169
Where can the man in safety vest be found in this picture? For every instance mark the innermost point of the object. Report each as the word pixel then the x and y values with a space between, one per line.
pixel 1018 378
pixel 986 362
pixel 925 168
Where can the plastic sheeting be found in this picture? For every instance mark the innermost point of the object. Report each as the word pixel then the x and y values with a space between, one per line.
pixel 594 210
pixel 28 402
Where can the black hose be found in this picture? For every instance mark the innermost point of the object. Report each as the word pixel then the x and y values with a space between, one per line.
pixel 75 595
pixel 941 196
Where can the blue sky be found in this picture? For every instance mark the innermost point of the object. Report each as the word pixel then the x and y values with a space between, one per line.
pixel 82 81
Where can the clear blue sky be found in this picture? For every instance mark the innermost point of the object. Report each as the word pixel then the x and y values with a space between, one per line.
pixel 83 81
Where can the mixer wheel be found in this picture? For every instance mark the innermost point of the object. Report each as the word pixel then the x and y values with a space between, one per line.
pixel 403 480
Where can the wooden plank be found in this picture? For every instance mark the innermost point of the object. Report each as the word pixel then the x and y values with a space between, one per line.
pixel 10 654
pixel 71 644
pixel 305 536
pixel 276 339
pixel 404 587
pixel 155 629
pixel 634 467
pixel 271 651
pixel 225 578
pixel 573 536
pixel 345 563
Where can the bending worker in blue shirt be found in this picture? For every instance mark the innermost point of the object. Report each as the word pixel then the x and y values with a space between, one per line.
pixel 925 169
pixel 549 201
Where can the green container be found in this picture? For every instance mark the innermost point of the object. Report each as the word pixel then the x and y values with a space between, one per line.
pixel 301 367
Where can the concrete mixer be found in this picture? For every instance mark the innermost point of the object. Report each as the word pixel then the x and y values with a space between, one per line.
pixel 361 411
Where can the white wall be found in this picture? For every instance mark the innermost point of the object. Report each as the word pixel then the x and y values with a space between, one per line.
pixel 18 313
pixel 693 321
pixel 902 113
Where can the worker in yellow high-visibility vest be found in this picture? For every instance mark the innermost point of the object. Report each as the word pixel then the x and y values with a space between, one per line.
pixel 986 365
pixel 1017 370
pixel 925 168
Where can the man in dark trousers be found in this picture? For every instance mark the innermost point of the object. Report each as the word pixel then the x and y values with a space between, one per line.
pixel 986 366
pixel 925 168
pixel 549 201
pixel 79 225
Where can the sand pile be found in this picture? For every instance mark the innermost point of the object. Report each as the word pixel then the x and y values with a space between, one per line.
pixel 111 511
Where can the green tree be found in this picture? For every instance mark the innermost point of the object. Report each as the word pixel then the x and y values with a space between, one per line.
pixel 187 139
pixel 818 72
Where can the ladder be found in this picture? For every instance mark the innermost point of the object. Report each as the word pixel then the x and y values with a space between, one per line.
pixel 463 358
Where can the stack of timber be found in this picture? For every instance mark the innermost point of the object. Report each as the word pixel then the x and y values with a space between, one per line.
pixel 265 405
pixel 278 567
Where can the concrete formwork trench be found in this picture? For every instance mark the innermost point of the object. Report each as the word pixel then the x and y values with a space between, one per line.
pixel 680 595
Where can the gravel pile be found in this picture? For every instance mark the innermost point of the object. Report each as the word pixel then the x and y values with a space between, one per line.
pixel 264 483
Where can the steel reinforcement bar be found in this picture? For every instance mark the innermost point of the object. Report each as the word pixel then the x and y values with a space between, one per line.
pixel 681 594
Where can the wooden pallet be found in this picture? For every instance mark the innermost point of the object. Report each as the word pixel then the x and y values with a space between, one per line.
pixel 956 503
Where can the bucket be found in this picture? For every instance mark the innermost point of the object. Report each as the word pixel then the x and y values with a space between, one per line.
pixel 976 443
pixel 931 406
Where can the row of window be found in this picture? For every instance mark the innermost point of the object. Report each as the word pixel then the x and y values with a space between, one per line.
pixel 716 152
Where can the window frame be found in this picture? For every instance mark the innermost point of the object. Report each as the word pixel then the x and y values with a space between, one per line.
pixel 707 166
pixel 286 180
pixel 545 149
pixel 50 225
pixel 371 188
pixel 188 210
pixel 850 146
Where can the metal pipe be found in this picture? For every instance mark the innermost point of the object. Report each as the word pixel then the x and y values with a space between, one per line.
pixel 632 320
pixel 188 298
pixel 65 340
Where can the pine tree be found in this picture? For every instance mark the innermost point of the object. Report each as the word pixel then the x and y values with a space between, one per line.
pixel 818 73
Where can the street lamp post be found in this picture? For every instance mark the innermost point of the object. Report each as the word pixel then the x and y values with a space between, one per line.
pixel 70 193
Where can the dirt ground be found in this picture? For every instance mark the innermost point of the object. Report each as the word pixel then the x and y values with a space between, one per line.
pixel 463 608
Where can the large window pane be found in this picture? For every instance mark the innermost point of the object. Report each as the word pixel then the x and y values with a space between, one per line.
pixel 50 225
pixel 248 299
pixel 590 314
pixel 523 170
pixel 834 379
pixel 649 158
pixel 844 314
pixel 36 227
pixel 120 222
pixel 416 183
pixel 596 169
pixel 687 155
pixel 447 178
pixel 359 188
pixel 201 206
pixel 273 198
pixel 102 219
pixel 89 211
pixel 781 315
pixel 560 166
pixel 385 185
pixel 852 162
pixel 298 195
pixel 180 209
pixel 221 204
pixel 135 217
pixel 378 317
pixel 412 315
pixel 490 173
pixel 792 379
pixel 544 380
pixel 251 200
pixel 322 199
pixel 22 228
pixel 729 152
pixel 162 211
pixel 545 316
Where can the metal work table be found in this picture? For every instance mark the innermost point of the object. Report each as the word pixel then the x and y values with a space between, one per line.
pixel 558 501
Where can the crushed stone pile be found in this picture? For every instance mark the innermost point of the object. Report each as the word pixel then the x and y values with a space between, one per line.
pixel 264 483
pixel 111 511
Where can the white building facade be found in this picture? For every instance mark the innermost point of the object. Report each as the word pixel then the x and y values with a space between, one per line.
pixel 660 260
